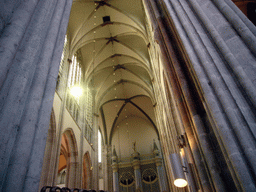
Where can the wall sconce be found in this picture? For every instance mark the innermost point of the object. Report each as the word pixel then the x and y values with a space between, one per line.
pixel 178 173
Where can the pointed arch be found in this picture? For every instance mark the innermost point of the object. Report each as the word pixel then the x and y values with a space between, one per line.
pixel 70 153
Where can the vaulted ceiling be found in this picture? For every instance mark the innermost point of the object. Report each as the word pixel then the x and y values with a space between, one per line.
pixel 112 40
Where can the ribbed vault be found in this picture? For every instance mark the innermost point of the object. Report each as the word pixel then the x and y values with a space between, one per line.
pixel 112 40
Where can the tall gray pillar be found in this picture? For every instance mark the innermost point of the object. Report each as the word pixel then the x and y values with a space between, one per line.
pixel 57 147
pixel 161 177
pixel 222 54
pixel 31 48
pixel 115 180
pixel 95 179
pixel 105 167
pixel 115 171
pixel 213 63
pixel 159 167
pixel 137 172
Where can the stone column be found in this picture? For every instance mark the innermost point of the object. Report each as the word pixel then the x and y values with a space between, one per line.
pixel 115 172
pixel 105 165
pixel 137 173
pixel 161 176
pixel 159 167
pixel 60 128
pixel 31 49
pixel 49 157
pixel 115 179
pixel 222 85
pixel 95 179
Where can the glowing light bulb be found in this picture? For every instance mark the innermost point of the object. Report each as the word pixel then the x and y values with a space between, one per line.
pixel 180 182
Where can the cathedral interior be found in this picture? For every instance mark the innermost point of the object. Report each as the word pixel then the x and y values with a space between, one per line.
pixel 128 95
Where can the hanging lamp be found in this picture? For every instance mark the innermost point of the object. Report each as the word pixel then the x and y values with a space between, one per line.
pixel 178 173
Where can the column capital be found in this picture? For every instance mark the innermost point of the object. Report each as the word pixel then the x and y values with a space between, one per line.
pixel 158 164
pixel 136 164
pixel 115 167
pixel 158 161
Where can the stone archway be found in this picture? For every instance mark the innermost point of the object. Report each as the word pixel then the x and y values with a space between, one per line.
pixel 87 172
pixel 68 159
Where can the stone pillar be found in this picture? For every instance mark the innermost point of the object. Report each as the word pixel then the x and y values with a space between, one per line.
pixel 95 128
pixel 31 48
pixel 60 127
pixel 115 172
pixel 49 155
pixel 105 166
pixel 73 170
pixel 222 85
pixel 115 179
pixel 137 173
pixel 159 167
pixel 109 173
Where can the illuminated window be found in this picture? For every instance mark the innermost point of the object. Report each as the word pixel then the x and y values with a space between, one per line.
pixel 88 107
pixel 75 72
pixel 62 63
pixel 63 56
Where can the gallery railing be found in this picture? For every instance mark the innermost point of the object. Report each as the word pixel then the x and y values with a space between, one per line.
pixel 66 189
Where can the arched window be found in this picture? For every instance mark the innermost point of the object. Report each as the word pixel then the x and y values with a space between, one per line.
pixel 88 106
pixel 74 80
pixel 63 56
pixel 62 63
pixel 75 72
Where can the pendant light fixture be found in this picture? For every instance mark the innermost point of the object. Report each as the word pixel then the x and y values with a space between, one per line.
pixel 178 173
